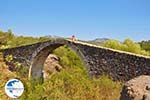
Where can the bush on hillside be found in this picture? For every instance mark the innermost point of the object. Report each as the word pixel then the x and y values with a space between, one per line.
pixel 128 45
pixel 145 45
pixel 8 39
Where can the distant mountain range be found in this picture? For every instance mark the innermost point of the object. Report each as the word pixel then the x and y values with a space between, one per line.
pixel 97 41
pixel 101 40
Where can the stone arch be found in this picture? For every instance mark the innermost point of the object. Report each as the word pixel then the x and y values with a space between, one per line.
pixel 119 65
pixel 39 57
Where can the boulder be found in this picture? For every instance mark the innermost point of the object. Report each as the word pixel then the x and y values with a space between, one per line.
pixel 51 65
pixel 136 89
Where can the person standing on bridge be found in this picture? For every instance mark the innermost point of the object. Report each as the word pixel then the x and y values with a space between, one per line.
pixel 73 38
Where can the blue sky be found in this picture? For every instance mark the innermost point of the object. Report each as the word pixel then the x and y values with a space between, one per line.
pixel 87 19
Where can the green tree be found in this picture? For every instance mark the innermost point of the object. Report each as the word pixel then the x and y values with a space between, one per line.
pixel 128 45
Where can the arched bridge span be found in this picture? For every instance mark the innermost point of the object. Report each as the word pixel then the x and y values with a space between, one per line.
pixel 118 65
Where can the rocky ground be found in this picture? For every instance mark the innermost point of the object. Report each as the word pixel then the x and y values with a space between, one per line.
pixel 136 89
pixel 51 65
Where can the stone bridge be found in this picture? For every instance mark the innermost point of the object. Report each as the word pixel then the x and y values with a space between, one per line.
pixel 98 60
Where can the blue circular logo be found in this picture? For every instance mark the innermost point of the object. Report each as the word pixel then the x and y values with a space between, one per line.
pixel 14 88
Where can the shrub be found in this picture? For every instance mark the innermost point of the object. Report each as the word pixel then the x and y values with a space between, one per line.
pixel 128 45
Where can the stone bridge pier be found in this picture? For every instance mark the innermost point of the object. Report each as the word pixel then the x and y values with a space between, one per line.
pixel 98 60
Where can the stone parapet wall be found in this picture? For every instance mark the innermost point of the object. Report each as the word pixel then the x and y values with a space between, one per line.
pixel 120 66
